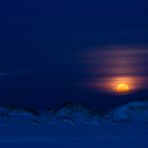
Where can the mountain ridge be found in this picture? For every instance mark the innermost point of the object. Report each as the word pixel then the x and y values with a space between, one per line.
pixel 77 113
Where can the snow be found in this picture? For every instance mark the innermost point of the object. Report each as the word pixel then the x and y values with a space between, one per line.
pixel 75 125
pixel 75 114
pixel 131 112
pixel 4 111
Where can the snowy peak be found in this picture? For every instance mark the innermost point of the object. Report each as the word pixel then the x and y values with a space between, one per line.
pixel 133 111
pixel 70 113
pixel 73 110
pixel 21 114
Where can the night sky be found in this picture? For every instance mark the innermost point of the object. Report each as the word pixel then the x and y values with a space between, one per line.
pixel 41 44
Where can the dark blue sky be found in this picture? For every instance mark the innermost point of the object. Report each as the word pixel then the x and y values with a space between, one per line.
pixel 40 42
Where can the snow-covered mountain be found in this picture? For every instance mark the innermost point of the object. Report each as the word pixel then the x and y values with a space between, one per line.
pixel 70 113
pixel 75 114
pixel 10 115
pixel 130 112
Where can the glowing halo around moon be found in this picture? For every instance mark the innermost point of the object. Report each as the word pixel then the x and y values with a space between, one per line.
pixel 118 69
pixel 115 85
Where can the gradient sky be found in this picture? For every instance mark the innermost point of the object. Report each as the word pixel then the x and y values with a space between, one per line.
pixel 40 42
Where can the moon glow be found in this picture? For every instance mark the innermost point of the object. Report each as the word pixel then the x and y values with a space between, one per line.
pixel 118 69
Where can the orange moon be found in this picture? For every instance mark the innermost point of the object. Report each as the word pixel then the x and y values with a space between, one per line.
pixel 122 88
